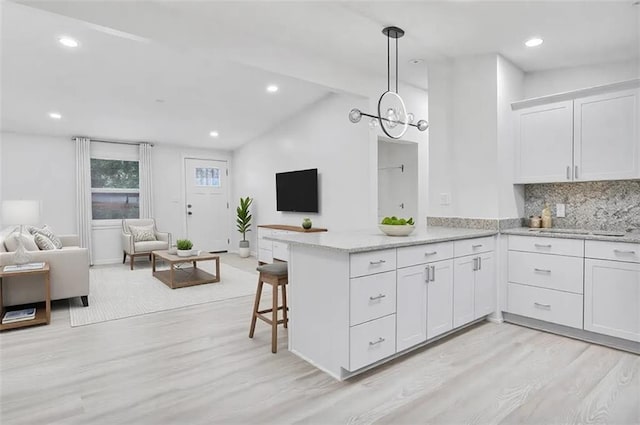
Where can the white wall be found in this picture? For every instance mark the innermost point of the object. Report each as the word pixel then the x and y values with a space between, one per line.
pixel 510 88
pixel 41 168
pixel 395 186
pixel 320 137
pixel 560 80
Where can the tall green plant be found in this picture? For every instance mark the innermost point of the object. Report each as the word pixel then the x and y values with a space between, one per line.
pixel 244 217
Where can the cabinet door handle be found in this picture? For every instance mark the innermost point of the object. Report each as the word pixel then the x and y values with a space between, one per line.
pixel 479 263
pixel 568 172
pixel 543 306
pixel 379 340
pixel 428 270
pixel 476 246
pixel 542 270
pixel 433 273
pixel 475 264
pixel 575 173
pixel 377 297
pixel 620 251
pixel 426 254
pixel 538 245
pixel 375 263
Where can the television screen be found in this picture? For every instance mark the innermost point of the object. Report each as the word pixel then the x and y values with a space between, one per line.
pixel 297 191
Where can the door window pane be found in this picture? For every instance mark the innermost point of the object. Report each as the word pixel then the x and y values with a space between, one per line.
pixel 209 177
pixel 115 187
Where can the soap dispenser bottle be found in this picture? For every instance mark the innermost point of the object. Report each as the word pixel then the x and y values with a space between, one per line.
pixel 546 217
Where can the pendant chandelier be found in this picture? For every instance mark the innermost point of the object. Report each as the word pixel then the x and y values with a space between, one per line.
pixel 392 113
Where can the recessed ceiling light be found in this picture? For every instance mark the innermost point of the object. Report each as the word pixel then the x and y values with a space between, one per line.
pixel 55 115
pixel 68 42
pixel 416 61
pixel 272 88
pixel 214 134
pixel 533 42
pixel 159 100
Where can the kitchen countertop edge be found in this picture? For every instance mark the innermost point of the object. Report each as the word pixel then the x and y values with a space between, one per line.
pixel 526 231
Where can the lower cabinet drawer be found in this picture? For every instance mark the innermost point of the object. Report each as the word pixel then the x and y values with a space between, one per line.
pixel 617 251
pixel 465 247
pixel 281 251
pixel 264 255
pixel 552 306
pixel 546 271
pixel 372 341
pixel 372 297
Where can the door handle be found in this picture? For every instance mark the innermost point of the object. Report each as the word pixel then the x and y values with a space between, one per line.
pixel 575 173
pixel 428 270
pixel 479 263
pixel 433 273
pixel 568 172
pixel 475 264
pixel 189 213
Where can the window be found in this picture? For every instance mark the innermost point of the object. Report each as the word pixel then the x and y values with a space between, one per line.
pixel 209 177
pixel 115 189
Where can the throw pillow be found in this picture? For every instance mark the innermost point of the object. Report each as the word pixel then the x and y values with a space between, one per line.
pixel 48 232
pixel 11 242
pixel 142 233
pixel 43 242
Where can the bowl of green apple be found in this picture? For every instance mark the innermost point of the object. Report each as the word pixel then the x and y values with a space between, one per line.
pixel 394 226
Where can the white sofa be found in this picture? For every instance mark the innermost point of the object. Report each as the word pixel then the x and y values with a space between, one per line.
pixel 69 274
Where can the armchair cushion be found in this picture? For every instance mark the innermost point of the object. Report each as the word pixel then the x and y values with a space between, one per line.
pixel 148 246
pixel 142 233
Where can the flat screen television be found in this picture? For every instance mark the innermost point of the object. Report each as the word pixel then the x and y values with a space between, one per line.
pixel 297 191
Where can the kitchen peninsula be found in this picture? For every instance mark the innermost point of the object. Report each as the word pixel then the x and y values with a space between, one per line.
pixel 358 299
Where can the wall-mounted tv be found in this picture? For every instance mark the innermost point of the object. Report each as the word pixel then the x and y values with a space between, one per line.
pixel 297 191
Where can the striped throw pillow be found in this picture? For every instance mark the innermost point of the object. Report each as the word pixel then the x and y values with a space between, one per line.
pixel 47 232
pixel 43 242
pixel 142 233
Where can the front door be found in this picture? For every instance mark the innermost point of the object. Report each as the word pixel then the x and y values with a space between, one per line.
pixel 207 207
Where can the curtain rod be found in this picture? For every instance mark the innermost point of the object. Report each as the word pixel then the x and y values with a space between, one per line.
pixel 115 142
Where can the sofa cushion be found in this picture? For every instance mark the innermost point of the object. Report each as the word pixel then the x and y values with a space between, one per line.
pixel 11 242
pixel 143 233
pixel 43 242
pixel 48 232
pixel 148 246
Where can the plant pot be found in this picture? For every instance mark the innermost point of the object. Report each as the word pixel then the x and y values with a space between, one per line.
pixel 244 249
pixel 185 252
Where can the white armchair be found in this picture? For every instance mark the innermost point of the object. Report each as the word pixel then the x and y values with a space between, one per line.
pixel 139 248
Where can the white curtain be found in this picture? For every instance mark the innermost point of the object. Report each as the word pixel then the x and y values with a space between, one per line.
pixel 83 192
pixel 146 190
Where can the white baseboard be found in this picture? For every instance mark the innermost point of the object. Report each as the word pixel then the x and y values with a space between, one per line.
pixel 108 261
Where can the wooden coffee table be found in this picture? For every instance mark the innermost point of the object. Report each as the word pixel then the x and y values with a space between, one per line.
pixel 180 277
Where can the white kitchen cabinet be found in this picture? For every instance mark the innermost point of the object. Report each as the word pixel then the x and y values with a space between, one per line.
pixel 584 137
pixel 411 309
pixel 440 298
pixel 544 143
pixel 463 299
pixel 606 140
pixel 612 298
pixel 485 286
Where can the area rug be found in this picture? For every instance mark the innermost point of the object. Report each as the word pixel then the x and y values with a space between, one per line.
pixel 117 292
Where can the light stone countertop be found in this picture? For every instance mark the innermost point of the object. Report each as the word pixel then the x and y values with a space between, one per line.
pixel 595 235
pixel 374 239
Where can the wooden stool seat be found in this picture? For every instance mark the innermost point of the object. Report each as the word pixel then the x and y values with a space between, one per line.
pixel 276 275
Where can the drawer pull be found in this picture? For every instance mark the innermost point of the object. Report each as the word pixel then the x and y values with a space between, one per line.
pixel 375 263
pixel 380 340
pixel 377 297
pixel 430 253
pixel 619 251
pixel 539 245
pixel 476 246
pixel 542 270
pixel 543 306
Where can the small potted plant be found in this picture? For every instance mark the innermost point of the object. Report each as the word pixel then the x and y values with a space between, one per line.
pixel 244 225
pixel 185 247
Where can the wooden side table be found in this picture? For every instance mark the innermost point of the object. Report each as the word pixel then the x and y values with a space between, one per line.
pixel 43 315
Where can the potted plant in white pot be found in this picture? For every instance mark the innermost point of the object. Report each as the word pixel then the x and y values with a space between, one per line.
pixel 185 247
pixel 244 225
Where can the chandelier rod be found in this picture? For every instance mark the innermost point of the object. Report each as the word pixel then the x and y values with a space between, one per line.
pixel 388 64
pixel 387 119
pixel 396 63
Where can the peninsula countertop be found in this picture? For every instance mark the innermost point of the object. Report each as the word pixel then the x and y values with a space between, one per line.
pixel 373 239
pixel 595 235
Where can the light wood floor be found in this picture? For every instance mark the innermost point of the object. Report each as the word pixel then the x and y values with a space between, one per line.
pixel 197 366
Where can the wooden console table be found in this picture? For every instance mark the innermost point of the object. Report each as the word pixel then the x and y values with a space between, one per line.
pixel 268 251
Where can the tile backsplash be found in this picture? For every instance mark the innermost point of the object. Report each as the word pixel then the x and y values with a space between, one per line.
pixel 607 205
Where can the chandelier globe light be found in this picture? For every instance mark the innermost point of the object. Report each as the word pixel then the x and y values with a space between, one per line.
pixel 393 118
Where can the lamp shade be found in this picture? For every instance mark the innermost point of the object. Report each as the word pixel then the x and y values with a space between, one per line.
pixel 20 212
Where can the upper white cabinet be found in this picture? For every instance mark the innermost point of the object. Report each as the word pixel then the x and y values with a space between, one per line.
pixel 606 141
pixel 585 138
pixel 544 143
